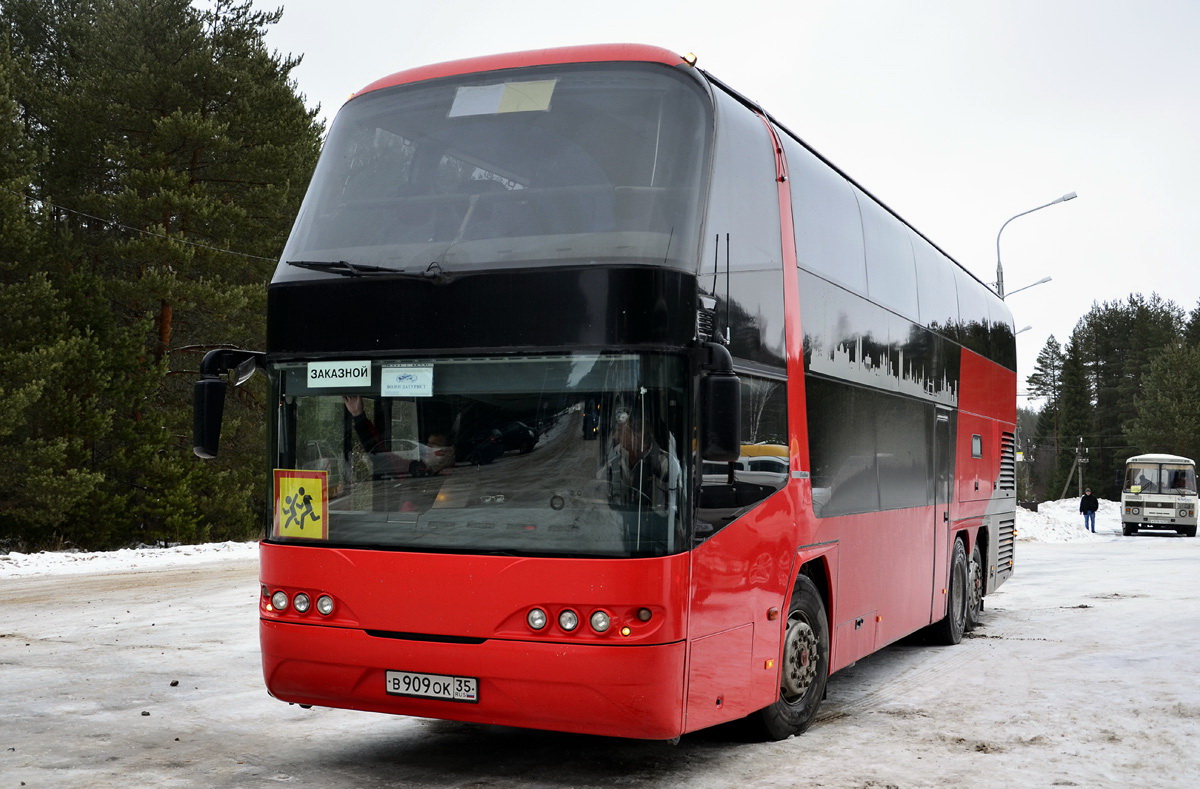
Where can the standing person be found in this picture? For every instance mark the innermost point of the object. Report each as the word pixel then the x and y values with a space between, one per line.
pixel 1088 506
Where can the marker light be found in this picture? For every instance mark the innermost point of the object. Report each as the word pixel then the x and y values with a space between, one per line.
pixel 568 620
pixel 325 605
pixel 536 618
pixel 600 621
pixel 301 603
pixel 279 601
pixel 644 614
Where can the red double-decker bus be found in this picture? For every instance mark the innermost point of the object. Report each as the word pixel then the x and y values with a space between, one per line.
pixel 604 404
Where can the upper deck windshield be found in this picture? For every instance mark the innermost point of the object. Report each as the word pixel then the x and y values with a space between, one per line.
pixel 1168 478
pixel 520 167
pixel 576 455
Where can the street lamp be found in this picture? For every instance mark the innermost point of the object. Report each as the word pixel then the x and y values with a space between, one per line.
pixel 1041 281
pixel 999 268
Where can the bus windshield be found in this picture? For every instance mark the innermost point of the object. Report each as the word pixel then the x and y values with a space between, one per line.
pixel 525 166
pixel 1179 478
pixel 568 455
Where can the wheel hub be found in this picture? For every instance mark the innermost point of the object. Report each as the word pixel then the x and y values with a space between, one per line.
pixel 799 667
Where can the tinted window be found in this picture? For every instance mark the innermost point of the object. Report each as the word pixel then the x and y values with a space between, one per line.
pixel 974 323
pixel 936 288
pixel 743 200
pixel 1003 340
pixel 829 238
pixel 481 169
pixel 728 490
pixel 869 450
pixel 891 278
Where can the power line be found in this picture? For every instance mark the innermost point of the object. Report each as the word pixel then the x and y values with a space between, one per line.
pixel 151 233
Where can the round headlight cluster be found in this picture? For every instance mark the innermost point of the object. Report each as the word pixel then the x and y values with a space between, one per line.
pixel 568 620
pixel 301 602
pixel 1183 513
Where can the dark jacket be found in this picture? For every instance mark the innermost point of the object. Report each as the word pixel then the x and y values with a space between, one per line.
pixel 1089 503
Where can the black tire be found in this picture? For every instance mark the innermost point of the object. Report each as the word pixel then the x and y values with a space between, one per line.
pixel 950 629
pixel 804 666
pixel 975 585
pixel 1128 530
pixel 1188 531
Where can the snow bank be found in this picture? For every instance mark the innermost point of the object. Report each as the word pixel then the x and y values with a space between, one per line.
pixel 1061 521
pixel 14 563
pixel 1055 521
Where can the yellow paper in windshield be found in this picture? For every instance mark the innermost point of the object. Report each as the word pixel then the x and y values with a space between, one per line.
pixel 532 96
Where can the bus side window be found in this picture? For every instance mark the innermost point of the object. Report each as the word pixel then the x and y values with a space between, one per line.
pixel 729 490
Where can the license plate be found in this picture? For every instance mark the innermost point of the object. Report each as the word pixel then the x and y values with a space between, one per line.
pixel 433 686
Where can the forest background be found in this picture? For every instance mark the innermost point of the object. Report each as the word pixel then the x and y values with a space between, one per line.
pixel 152 158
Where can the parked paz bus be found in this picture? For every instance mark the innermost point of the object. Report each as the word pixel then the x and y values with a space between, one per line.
pixel 1159 493
pixel 604 404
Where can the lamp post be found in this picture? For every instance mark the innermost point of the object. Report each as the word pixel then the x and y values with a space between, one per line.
pixel 1041 281
pixel 1000 268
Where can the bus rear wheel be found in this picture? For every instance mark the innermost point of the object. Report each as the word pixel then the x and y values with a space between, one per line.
pixel 975 602
pixel 805 666
pixel 950 629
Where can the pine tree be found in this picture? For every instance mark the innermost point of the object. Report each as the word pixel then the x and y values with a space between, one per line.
pixel 176 154
pixel 1075 420
pixel 1168 405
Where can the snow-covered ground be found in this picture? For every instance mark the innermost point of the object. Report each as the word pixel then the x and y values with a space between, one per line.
pixel 140 668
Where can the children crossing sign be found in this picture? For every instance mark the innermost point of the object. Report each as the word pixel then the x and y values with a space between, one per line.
pixel 301 504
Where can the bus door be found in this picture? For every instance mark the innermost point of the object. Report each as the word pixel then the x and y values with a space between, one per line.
pixel 943 482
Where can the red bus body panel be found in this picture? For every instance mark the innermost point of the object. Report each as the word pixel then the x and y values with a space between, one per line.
pixel 477 605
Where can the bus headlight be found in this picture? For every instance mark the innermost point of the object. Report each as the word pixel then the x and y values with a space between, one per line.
pixel 1183 513
pixel 600 621
pixel 536 618
pixel 301 603
pixel 279 601
pixel 568 620
pixel 325 605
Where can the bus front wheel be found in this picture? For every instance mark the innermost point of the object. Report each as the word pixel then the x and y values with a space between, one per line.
pixel 805 665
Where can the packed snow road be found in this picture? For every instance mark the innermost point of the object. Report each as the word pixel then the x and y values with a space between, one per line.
pixel 1083 674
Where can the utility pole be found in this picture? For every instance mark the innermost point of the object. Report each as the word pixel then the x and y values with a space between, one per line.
pixel 1081 460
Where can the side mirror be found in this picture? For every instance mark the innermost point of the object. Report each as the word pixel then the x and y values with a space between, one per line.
pixel 208 399
pixel 720 409
pixel 208 406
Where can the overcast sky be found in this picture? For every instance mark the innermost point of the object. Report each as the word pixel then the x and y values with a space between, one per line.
pixel 958 115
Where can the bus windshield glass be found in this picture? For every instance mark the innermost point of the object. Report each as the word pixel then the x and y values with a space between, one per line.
pixel 586 163
pixel 1178 478
pixel 574 455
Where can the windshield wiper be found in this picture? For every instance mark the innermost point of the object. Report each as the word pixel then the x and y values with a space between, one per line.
pixel 433 273
pixel 343 267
